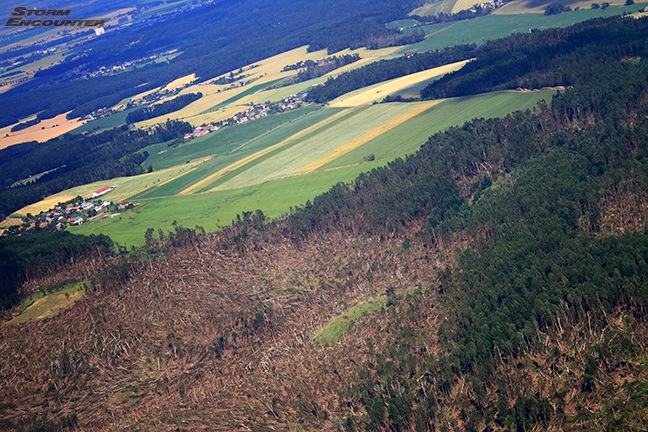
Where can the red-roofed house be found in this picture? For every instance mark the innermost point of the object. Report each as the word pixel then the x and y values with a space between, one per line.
pixel 103 190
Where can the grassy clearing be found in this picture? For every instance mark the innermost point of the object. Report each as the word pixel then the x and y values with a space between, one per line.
pixel 40 306
pixel 41 132
pixel 335 329
pixel 216 209
pixel 286 163
pixel 377 92
pixel 494 26
pixel 410 135
pixel 353 144
pixel 402 24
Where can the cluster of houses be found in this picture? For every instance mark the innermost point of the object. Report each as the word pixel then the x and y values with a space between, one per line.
pixel 73 212
pixel 254 112
pixel 113 70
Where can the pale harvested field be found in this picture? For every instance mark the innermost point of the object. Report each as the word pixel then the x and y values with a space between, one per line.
pixel 10 221
pixel 46 204
pixel 209 179
pixel 182 81
pixel 353 144
pixel 37 133
pixel 378 91
pixel 463 5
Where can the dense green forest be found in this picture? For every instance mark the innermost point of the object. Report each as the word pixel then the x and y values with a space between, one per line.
pixel 163 108
pixel 76 159
pixel 238 33
pixel 384 70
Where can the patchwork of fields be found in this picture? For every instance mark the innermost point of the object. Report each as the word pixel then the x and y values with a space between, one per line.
pixel 285 159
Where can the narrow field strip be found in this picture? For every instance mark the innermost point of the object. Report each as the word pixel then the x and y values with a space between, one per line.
pixel 211 178
pixel 378 91
pixel 353 144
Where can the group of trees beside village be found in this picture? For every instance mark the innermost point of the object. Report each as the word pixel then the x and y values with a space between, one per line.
pixel 309 69
pixel 163 108
pixel 75 159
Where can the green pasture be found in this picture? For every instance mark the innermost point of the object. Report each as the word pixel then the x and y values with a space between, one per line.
pixel 341 324
pixel 409 136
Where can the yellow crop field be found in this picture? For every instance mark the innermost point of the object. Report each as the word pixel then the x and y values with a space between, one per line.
pixel 41 132
pixel 46 204
pixel 353 144
pixel 463 5
pixel 530 7
pixel 182 81
pixel 377 92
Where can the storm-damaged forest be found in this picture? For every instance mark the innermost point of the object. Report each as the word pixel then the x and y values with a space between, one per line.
pixel 501 271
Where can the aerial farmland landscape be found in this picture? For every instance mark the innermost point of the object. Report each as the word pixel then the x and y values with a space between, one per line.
pixel 425 215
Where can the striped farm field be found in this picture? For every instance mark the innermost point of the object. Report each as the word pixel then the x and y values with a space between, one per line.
pixel 432 8
pixel 237 148
pixel 377 92
pixel 374 133
pixel 355 123
pixel 410 135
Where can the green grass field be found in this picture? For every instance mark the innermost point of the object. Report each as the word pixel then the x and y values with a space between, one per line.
pixel 39 306
pixel 217 209
pixel 479 30
pixel 409 136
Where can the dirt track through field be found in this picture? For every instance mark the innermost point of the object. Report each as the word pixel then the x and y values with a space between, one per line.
pixel 353 144
pixel 213 177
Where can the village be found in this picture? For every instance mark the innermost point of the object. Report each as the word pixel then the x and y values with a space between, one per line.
pixel 73 212
pixel 254 112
